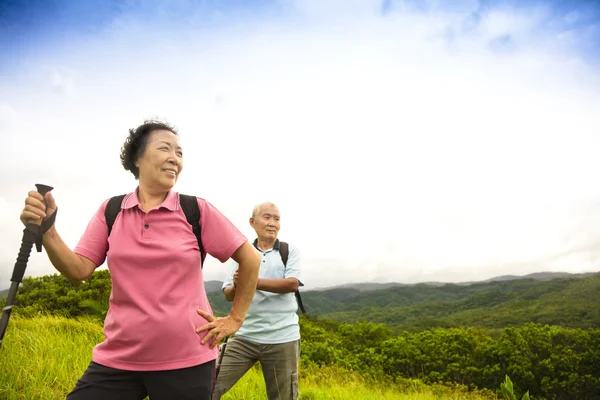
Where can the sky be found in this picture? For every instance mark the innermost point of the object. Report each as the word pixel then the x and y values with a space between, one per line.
pixel 403 141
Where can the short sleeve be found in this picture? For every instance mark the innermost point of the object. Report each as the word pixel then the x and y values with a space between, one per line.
pixel 94 242
pixel 220 237
pixel 229 280
pixel 292 269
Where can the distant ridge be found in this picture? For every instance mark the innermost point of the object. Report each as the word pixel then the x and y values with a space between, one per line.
pixel 364 286
pixel 215 286
pixel 541 276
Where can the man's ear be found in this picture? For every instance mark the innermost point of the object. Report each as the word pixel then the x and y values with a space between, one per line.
pixel 251 220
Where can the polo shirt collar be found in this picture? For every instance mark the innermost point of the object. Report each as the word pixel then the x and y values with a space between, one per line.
pixel 171 202
pixel 275 246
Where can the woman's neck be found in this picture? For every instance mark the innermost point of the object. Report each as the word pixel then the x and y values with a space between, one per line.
pixel 150 198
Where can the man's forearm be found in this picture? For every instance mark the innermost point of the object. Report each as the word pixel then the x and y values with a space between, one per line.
pixel 277 285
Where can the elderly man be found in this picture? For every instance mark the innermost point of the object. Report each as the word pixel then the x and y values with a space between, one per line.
pixel 270 334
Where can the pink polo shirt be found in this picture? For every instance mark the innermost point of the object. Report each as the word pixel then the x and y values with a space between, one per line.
pixel 157 282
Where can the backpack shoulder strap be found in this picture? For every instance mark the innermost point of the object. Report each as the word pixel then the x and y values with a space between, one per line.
pixel 113 207
pixel 284 251
pixel 189 205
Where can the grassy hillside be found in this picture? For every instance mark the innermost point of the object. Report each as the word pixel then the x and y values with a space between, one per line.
pixel 551 361
pixel 42 358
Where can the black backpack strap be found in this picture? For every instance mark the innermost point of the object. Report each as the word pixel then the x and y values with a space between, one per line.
pixel 284 251
pixel 113 207
pixel 299 299
pixel 189 205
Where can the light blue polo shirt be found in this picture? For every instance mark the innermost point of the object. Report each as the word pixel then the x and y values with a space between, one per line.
pixel 272 317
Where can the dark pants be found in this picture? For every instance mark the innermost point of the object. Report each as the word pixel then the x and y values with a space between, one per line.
pixel 102 383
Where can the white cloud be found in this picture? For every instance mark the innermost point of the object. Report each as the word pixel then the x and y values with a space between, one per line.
pixel 396 151
pixel 8 117
pixel 62 83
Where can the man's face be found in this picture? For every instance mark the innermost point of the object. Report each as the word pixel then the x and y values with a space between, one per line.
pixel 266 222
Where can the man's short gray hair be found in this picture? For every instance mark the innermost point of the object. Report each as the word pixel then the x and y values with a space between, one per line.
pixel 257 207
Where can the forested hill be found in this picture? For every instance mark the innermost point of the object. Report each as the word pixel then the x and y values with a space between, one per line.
pixel 570 302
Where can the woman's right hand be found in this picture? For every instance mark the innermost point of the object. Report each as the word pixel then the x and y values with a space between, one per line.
pixel 35 208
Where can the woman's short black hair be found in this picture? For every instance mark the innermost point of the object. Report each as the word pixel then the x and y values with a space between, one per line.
pixel 135 144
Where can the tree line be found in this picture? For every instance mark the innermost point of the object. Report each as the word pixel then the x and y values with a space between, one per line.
pixel 569 302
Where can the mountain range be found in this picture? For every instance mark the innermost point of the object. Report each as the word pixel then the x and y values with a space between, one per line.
pixel 551 298
pixel 213 285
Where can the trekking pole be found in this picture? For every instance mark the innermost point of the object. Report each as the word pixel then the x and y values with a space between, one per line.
pixel 221 355
pixel 31 234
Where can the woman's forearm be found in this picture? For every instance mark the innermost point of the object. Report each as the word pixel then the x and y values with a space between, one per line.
pixel 67 262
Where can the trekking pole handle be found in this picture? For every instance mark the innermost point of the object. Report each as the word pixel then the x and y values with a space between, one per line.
pixel 42 189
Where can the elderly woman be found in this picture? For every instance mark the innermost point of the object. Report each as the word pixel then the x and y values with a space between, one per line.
pixel 160 333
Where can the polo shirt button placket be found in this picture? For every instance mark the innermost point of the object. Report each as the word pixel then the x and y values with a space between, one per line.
pixel 146 231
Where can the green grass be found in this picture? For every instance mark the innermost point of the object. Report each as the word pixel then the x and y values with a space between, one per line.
pixel 334 383
pixel 42 358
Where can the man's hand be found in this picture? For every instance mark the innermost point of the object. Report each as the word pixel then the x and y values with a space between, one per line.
pixel 218 328
pixel 229 291
pixel 235 278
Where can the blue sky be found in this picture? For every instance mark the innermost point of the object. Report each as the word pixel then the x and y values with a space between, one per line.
pixel 453 142
pixel 28 25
